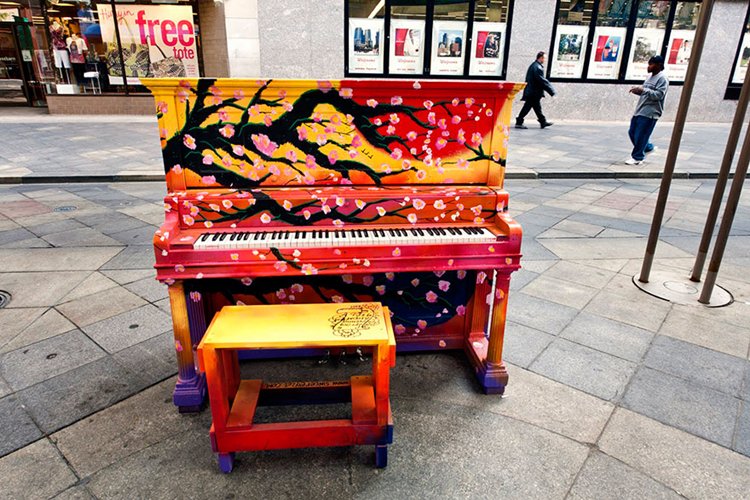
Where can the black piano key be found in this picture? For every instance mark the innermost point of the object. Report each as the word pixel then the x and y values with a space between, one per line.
pixel 223 236
pixel 204 236
pixel 286 235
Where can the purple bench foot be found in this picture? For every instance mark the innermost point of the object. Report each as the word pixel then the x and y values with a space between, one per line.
pixel 226 462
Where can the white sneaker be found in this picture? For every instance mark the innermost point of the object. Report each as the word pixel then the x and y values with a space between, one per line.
pixel 633 161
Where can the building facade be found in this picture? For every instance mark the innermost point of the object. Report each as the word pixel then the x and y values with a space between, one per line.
pixel 73 56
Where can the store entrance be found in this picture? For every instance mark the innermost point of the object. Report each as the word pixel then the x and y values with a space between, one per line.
pixel 18 85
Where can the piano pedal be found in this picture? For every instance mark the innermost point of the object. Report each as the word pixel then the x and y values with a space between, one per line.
pixel 360 355
pixel 342 357
pixel 325 359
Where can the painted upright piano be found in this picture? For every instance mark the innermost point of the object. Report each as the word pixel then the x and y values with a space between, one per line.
pixel 296 191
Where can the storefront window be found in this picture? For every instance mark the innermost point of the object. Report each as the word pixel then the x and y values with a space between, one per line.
pixel 742 58
pixel 436 38
pixel 93 54
pixel 621 36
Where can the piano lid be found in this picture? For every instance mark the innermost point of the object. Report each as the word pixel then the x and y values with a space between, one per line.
pixel 240 134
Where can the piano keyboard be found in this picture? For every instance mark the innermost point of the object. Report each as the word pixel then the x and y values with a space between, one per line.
pixel 322 238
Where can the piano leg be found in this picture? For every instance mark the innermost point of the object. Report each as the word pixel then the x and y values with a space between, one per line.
pixel 190 391
pixel 486 354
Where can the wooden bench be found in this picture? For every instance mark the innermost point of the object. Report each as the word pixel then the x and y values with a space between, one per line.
pixel 234 401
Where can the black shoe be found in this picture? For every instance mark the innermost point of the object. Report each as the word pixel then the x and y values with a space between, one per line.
pixel 521 125
pixel 546 124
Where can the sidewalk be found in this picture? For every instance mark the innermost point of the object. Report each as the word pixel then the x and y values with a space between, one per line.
pixel 36 147
pixel 612 393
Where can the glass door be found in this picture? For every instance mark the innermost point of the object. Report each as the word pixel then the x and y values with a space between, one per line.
pixel 12 85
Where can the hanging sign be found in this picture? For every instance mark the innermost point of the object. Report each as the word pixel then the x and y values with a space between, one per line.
pixel 365 45
pixel 157 41
pixel 647 43
pixel 569 52
pixel 448 44
pixel 407 47
pixel 486 58
pixel 604 61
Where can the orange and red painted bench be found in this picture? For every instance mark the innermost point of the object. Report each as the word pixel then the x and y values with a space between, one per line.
pixel 234 401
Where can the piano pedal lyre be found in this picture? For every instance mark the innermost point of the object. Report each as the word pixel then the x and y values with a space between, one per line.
pixel 325 359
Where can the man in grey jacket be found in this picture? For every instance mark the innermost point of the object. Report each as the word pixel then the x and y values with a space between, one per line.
pixel 649 108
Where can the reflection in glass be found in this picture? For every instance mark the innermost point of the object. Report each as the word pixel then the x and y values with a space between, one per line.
pixel 452 11
pixel 575 12
pixel 686 15
pixel 493 11
pixel 653 14
pixel 615 12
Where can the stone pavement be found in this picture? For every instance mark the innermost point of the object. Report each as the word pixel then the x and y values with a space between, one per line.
pixel 36 147
pixel 612 392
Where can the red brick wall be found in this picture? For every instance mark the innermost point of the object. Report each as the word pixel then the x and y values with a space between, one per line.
pixel 100 104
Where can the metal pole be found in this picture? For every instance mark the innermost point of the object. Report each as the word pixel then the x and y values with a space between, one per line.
pixel 721 180
pixel 726 220
pixel 674 143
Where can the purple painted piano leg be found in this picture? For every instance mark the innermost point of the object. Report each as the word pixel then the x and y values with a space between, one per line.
pixel 189 324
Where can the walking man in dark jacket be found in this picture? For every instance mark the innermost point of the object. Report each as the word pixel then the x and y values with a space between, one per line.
pixel 536 86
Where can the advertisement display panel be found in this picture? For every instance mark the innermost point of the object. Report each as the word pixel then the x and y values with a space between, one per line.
pixel 407 47
pixel 678 54
pixel 448 47
pixel 740 65
pixel 604 61
pixel 569 51
pixel 366 45
pixel 486 59
pixel 157 41
pixel 647 43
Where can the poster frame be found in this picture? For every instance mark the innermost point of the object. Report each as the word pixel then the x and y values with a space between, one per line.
pixel 439 64
pixel 676 72
pixel 366 64
pixel 610 69
pixel 493 70
pixel 639 70
pixel 416 62
pixel 575 70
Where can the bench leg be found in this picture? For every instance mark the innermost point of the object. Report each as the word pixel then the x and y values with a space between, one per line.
pixel 381 456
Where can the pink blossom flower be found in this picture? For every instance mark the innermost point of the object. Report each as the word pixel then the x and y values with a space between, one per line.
pixel 396 154
pixel 462 163
pixel 337 299
pixel 396 252
pixel 208 179
pixel 381 211
pixel 324 85
pixel 390 130
pixel 267 120
pixel 415 282
pixel 356 141
pixel 238 150
pixel 456 119
pixel 393 118
pixel 428 104
pixel 440 143
pixel 317 117
pixel 287 205
pixel 208 159
pixel 422 324
pixel 338 223
pixel 333 156
pixel 418 204
pixel 377 121
pixel 372 103
pixel 188 220
pixel 431 118
pixel 280 266
pixel 421 175
pixel 306 214
pixel 287 106
pixel 390 276
pixel 444 285
pixel 461 136
pixel 411 135
pixel 347 278
pixel 400 329
pixel 380 289
pixel 310 161
pixel 291 155
pixel 346 93
pixel 412 218
pixel 162 107
pixel 274 170
pixel 264 144
pixel 476 138
pixel 367 280
pixel 461 274
pixel 188 141
pixel 226 161
pixel 265 218
pixel 456 101
pixel 442 124
pixel 431 297
pixel 177 346
pixel 223 115
pixel 481 277
pixel 353 153
pixel 302 133
pixel 439 204
pixel 179 268
pixel 182 95
pixel 461 310
pixel 321 139
pixel 281 294
pixel 177 169
pixel 396 100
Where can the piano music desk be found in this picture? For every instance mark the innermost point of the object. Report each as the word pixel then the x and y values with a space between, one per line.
pixel 234 401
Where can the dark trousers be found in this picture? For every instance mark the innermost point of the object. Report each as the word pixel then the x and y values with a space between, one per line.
pixel 528 105
pixel 640 133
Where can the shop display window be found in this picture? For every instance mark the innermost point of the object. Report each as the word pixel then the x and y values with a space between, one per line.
pixel 612 40
pixel 430 38
pixel 741 61
pixel 91 53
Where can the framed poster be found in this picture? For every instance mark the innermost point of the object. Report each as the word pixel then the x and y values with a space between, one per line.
pixel 647 43
pixel 448 44
pixel 604 61
pixel 678 54
pixel 157 41
pixel 740 65
pixel 569 51
pixel 486 57
pixel 407 47
pixel 365 45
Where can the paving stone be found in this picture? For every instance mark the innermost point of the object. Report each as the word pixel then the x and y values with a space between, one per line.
pixel 597 248
pixel 164 305
pixel 602 473
pixel 696 364
pixel 687 464
pixel 129 328
pixel 30 289
pixel 83 237
pixel 537 266
pixel 683 323
pixel 621 340
pixel 4 388
pixel 30 243
pixel 94 283
pixel 562 292
pixel 110 222
pixel 699 410
pixel 62 400
pixel 132 257
pixel 126 428
pixel 55 259
pixel 523 344
pixel 129 275
pixel 538 313
pixel 15 321
pixel 153 359
pixel 147 212
pixel 55 227
pixel 38 468
pixel 143 235
pixel 647 313
pixel 533 250
pixel 580 273
pixel 100 306
pixel 29 365
pixel 14 235
pixel 149 289
pixel 585 369
pixel 17 431
pixel 49 324
pixel 579 228
pixel 75 493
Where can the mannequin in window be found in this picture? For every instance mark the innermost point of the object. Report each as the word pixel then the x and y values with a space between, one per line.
pixel 77 48
pixel 60 48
